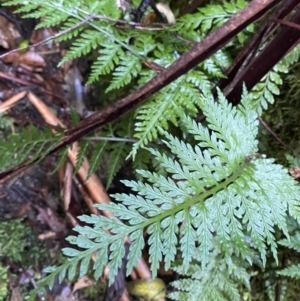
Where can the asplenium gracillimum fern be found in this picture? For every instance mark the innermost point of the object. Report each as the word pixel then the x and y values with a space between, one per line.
pixel 221 200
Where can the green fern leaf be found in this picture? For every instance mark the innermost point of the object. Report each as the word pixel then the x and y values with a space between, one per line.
pixel 211 16
pixel 156 114
pixel 119 152
pixel 135 250
pixel 151 115
pixel 62 158
pixel 264 91
pixel 97 157
pixel 31 143
pixel 88 40
pixel 292 243
pixel 292 57
pixel 69 34
pixel 81 155
pixel 200 81
pixel 23 9
pixel 105 7
pixel 292 271
pixel 51 17
pixel 212 69
pixel 107 60
pixel 129 68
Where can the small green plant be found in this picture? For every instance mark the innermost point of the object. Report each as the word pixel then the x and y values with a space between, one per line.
pixel 16 240
pixel 18 244
pixel 3 283
pixel 220 205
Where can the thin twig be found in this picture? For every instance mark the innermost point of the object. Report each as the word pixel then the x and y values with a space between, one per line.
pixel 270 131
pixel 278 291
pixel 135 25
pixel 113 139
pixel 49 38
pixel 141 27
pixel 185 40
pixel 287 23
pixel 30 85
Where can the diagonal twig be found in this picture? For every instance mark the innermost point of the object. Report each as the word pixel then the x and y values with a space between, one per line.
pixel 49 38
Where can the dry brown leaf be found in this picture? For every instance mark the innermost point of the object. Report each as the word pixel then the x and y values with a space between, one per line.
pixel 9 35
pixel 81 283
pixel 295 172
pixel 29 58
pixel 15 295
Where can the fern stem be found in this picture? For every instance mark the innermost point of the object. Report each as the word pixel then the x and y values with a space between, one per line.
pixel 113 139
pixel 221 185
pixel 100 29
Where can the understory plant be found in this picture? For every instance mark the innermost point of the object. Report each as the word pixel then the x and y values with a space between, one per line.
pixel 218 210
pixel 213 206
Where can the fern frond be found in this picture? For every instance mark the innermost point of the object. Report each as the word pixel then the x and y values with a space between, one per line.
pixel 264 92
pixel 61 12
pixel 292 57
pixel 218 281
pixel 210 196
pixel 150 116
pixel 104 7
pixel 107 60
pixel 69 34
pixel 88 40
pixel 200 81
pixel 129 67
pixel 293 271
pixel 96 157
pixel 165 108
pixel 210 66
pixel 81 155
pixel 118 153
pixel 51 17
pixel 222 59
pixel 292 243
pixel 23 9
pixel 211 16
pixel 31 143
pixel 228 197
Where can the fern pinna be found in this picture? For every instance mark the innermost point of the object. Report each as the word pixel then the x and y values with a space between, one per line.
pixel 219 206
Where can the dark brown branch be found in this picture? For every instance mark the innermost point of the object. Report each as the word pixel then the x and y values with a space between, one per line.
pixel 288 23
pixel 264 124
pixel 283 42
pixel 246 56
